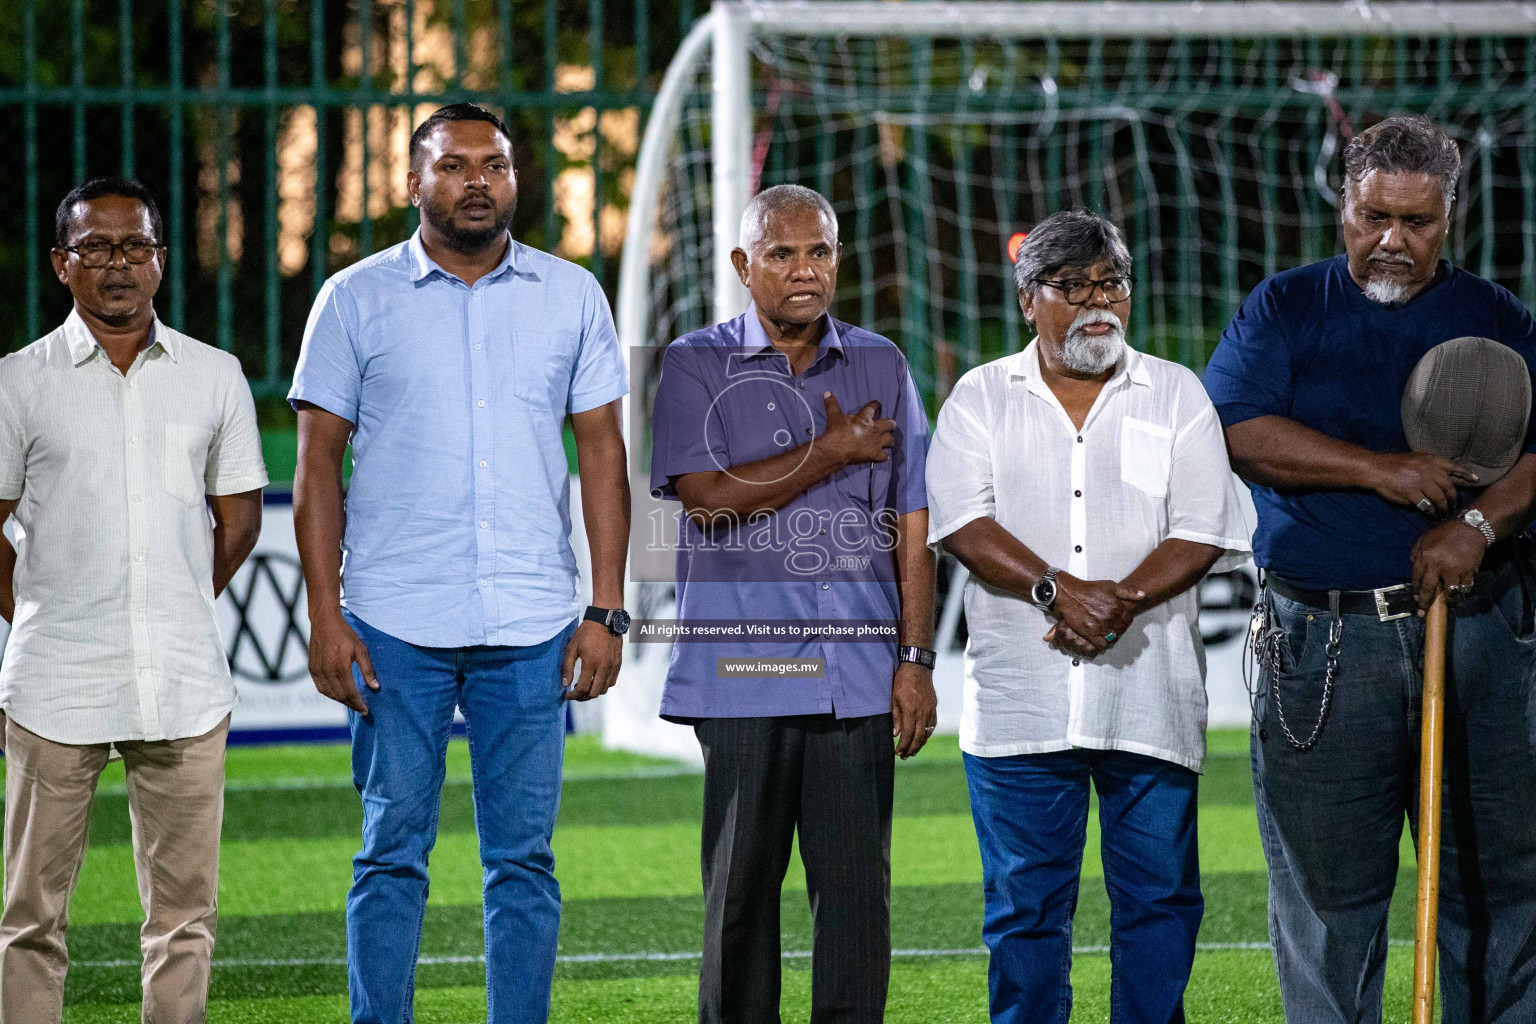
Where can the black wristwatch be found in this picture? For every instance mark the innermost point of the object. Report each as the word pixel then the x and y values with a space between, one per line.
pixel 917 656
pixel 616 619
pixel 1044 591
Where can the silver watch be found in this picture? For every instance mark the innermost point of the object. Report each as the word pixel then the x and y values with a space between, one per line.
pixel 1475 519
pixel 1043 593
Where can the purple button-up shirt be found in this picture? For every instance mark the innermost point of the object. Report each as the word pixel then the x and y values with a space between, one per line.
pixel 727 397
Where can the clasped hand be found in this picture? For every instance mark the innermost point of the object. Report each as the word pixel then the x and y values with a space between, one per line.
pixel 1091 614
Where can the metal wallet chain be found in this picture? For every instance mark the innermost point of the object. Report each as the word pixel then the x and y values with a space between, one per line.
pixel 1261 651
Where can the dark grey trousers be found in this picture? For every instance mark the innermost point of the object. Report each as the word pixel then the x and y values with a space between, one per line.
pixel 764 778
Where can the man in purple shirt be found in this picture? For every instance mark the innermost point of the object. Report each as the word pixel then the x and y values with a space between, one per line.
pixel 803 518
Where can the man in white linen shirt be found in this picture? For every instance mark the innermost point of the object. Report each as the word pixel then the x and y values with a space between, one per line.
pixel 118 438
pixel 1086 487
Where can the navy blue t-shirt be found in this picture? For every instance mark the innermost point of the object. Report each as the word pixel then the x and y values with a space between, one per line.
pixel 1308 345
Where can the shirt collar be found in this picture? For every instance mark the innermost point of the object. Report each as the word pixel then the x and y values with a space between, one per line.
pixel 83 344
pixel 1026 367
pixel 422 265
pixel 755 340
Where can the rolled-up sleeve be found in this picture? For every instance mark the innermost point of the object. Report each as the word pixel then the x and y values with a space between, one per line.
pixel 1249 374
pixel 959 468
pixel 600 375
pixel 1204 505
pixel 234 462
pixel 681 438
pixel 329 373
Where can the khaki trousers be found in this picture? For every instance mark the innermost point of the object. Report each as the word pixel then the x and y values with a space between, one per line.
pixel 176 805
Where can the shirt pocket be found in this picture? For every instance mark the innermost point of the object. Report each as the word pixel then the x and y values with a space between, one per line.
pixel 855 485
pixel 541 370
pixel 1146 456
pixel 186 459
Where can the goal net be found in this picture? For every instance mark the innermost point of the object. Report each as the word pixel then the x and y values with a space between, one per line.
pixel 1211 134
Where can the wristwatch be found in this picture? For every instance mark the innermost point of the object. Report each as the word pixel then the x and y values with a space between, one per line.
pixel 1044 591
pixel 1475 519
pixel 616 619
pixel 917 656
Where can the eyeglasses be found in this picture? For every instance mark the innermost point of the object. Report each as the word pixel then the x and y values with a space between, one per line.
pixel 1079 291
pixel 98 254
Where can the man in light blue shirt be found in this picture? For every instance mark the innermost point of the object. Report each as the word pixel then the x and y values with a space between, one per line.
pixel 450 362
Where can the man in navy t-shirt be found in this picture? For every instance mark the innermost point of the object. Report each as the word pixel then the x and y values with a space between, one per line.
pixel 1356 534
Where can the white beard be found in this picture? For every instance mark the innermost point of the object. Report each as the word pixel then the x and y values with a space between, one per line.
pixel 1087 353
pixel 1386 291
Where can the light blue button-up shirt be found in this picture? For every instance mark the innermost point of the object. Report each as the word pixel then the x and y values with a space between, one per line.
pixel 458 514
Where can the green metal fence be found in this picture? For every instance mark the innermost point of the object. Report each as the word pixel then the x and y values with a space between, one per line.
pixel 273 132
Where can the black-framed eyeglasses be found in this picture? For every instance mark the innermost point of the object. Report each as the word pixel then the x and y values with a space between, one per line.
pixel 1078 291
pixel 98 254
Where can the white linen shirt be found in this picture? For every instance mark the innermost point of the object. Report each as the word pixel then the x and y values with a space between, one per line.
pixel 114 636
pixel 1150 464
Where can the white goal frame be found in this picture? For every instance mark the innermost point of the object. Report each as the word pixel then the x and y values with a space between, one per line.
pixel 725 36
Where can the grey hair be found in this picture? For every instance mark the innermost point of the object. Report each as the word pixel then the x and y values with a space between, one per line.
pixel 1399 145
pixel 1071 240
pixel 778 199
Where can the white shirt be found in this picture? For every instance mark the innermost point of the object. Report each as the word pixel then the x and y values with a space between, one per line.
pixel 114 636
pixel 1150 464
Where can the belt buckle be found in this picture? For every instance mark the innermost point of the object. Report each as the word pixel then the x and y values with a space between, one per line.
pixel 1381 603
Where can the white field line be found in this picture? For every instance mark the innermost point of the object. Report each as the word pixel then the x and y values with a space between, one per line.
pixel 620 958
pixel 339 782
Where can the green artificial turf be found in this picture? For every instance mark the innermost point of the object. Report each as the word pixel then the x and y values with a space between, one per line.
pixel 627 856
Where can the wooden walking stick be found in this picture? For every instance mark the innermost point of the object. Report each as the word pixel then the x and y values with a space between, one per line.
pixel 1468 400
pixel 1431 744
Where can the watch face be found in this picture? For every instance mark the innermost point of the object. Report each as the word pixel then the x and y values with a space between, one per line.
pixel 619 624
pixel 1045 592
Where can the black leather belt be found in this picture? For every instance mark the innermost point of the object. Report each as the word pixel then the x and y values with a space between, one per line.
pixel 1384 603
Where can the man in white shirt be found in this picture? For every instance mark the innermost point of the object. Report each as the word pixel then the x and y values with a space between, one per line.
pixel 1086 487
pixel 118 438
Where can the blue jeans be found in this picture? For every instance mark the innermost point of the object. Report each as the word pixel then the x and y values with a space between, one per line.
pixel 1031 815
pixel 511 699
pixel 1332 817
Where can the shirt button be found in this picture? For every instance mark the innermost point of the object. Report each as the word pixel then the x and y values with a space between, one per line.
pixel 1079 438
pixel 481 403
pixel 1077 494
pixel 138 616
pixel 138 497
pixel 826 586
pixel 484 525
pixel 133 440
pixel 801 385
pixel 1076 662
pixel 821 531
pixel 477 345
pixel 482 463
pixel 807 431
pixel 138 558
pixel 485 583
pixel 1078 548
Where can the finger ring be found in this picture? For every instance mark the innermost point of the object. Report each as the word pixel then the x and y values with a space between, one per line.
pixel 1109 638
pixel 1426 506
pixel 1456 588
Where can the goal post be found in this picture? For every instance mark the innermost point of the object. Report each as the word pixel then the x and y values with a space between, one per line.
pixel 1211 132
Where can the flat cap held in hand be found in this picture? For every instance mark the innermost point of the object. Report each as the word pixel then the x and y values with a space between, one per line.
pixel 1468 400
